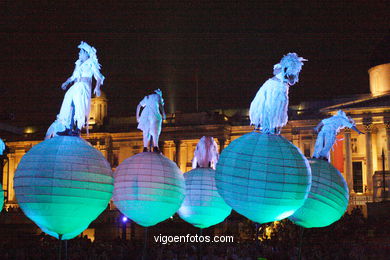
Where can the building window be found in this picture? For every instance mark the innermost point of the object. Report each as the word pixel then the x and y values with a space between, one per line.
pixel 354 146
pixel 357 171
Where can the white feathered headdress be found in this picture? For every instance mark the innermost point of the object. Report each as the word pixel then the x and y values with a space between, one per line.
pixel 290 65
pixel 91 52
pixel 159 92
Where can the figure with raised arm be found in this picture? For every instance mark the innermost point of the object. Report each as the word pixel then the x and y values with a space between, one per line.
pixel 75 108
pixel 327 131
pixel 206 153
pixel 150 119
pixel 268 110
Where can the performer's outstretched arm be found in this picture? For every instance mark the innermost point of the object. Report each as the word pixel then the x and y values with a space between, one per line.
pixel 99 80
pixel 67 82
pixel 357 130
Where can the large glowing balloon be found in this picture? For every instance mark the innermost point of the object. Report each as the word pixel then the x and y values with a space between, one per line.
pixel 328 197
pixel 148 188
pixel 263 177
pixel 63 184
pixel 202 206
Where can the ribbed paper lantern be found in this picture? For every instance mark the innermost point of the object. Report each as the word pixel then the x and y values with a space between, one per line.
pixel 202 206
pixel 263 177
pixel 148 188
pixel 63 184
pixel 328 197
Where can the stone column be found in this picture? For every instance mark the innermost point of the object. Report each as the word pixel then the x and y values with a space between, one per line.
pixel 103 149
pixel 177 151
pixel 295 137
pixel 369 167
pixel 348 159
pixel 221 144
pixel 164 148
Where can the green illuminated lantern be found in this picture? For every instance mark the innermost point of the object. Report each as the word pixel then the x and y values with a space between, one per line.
pixel 63 184
pixel 263 177
pixel 203 206
pixel 149 188
pixel 328 197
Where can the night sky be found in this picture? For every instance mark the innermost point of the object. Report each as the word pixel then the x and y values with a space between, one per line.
pixel 144 46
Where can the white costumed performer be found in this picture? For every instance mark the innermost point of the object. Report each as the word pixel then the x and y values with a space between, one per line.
pixel 150 119
pixel 328 130
pixel 268 109
pixel 75 108
pixel 206 153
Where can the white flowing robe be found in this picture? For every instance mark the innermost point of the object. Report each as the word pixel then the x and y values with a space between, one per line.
pixel 53 129
pixel 151 119
pixel 206 153
pixel 327 136
pixel 268 109
pixel 78 96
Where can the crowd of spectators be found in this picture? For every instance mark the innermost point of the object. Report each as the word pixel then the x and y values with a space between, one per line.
pixel 352 237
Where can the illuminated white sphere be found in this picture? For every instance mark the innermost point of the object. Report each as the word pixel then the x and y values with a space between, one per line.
pixel 63 184
pixel 328 197
pixel 202 206
pixel 148 188
pixel 263 177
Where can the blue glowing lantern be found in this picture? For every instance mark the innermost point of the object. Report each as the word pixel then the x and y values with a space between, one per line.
pixel 328 197
pixel 263 177
pixel 63 184
pixel 148 188
pixel 202 206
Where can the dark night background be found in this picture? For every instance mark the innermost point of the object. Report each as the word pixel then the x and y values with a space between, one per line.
pixel 146 45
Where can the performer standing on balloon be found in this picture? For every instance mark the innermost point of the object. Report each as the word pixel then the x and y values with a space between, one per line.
pixel 268 110
pixel 206 153
pixel 75 108
pixel 150 119
pixel 327 131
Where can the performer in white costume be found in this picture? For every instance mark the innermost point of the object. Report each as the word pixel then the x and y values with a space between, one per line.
pixel 150 119
pixel 2 146
pixel 268 109
pixel 75 108
pixel 206 153
pixel 328 130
